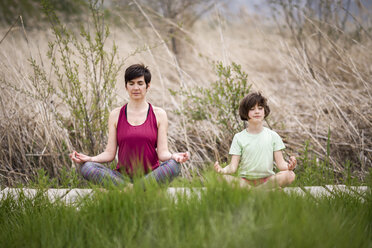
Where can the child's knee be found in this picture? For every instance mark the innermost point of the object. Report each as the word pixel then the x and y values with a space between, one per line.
pixel 291 176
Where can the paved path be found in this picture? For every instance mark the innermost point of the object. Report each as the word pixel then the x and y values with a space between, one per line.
pixel 70 196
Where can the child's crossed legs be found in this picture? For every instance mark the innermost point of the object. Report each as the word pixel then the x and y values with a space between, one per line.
pixel 280 179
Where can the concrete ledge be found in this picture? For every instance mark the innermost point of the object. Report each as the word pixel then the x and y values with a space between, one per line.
pixel 294 190
pixel 75 195
pixel 56 194
pixel 16 192
pixel 317 191
pixel 71 196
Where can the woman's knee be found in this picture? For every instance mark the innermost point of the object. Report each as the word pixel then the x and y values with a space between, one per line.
pixel 173 161
pixel 89 164
pixel 175 166
pixel 97 173
pixel 86 166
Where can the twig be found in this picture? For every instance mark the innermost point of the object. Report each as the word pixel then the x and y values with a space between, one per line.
pixel 13 172
pixel 360 25
pixel 10 29
pixel 24 32
pixel 224 54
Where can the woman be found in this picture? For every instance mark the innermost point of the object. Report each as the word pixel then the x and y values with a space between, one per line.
pixel 139 131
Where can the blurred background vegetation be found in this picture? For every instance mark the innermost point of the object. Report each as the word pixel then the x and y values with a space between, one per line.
pixel 31 11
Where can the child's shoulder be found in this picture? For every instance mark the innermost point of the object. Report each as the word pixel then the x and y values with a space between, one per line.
pixel 272 133
pixel 238 137
pixel 265 131
pixel 268 130
pixel 241 133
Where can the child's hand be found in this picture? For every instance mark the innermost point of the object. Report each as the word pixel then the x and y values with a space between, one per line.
pixel 292 163
pixel 218 168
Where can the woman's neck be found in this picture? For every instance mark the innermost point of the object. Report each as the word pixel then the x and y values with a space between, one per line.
pixel 137 105
pixel 254 128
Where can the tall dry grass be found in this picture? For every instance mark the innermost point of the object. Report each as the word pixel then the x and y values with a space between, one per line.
pixel 30 136
pixel 307 98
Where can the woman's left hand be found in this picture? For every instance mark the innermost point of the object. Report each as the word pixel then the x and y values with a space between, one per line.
pixel 181 157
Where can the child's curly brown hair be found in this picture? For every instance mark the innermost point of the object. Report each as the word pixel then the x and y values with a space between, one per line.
pixel 249 102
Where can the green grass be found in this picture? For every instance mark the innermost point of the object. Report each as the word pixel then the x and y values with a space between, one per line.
pixel 224 216
pixel 313 171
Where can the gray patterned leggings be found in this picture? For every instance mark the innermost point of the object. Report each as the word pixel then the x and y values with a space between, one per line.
pixel 99 174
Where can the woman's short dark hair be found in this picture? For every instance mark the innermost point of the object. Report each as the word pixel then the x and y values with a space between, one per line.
pixel 135 71
pixel 250 101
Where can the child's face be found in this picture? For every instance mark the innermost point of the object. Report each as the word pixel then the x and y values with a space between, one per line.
pixel 256 114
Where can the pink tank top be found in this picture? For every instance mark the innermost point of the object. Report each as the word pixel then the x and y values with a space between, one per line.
pixel 137 144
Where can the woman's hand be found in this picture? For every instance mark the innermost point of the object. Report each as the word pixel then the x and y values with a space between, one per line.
pixel 292 163
pixel 218 168
pixel 181 157
pixel 79 158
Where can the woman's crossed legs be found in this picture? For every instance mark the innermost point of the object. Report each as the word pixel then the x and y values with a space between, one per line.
pixel 99 174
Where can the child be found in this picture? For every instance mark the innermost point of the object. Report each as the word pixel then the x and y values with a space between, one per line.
pixel 254 149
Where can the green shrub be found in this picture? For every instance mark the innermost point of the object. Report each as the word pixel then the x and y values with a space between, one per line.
pixel 219 103
pixel 82 78
pixel 313 171
pixel 30 11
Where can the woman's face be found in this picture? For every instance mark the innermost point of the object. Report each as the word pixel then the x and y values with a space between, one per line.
pixel 137 88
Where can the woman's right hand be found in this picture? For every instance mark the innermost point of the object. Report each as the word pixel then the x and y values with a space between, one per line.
pixel 218 168
pixel 180 157
pixel 79 158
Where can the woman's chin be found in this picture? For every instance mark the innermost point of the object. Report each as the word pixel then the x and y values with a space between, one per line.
pixel 137 97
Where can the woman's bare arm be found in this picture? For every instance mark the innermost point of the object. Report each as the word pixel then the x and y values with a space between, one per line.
pixel 109 154
pixel 162 144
